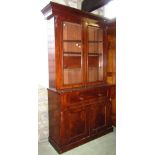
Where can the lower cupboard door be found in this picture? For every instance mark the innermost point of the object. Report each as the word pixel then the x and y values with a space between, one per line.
pixel 74 125
pixel 98 121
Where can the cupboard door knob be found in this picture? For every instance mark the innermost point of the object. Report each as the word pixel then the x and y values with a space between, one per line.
pixel 81 98
pixel 99 94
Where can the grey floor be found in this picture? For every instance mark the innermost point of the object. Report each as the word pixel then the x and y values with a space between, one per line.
pixel 105 145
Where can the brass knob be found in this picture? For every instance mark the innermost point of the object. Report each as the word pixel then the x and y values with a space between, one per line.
pixel 81 98
pixel 99 94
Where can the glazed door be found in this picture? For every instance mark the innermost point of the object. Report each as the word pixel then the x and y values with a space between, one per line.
pixel 76 124
pixel 72 54
pixel 94 54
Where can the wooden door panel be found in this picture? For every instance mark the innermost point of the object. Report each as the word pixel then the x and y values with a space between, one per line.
pixel 98 121
pixel 100 116
pixel 76 124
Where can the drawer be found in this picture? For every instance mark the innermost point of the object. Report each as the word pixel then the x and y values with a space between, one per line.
pixel 96 93
pixel 85 96
pixel 75 98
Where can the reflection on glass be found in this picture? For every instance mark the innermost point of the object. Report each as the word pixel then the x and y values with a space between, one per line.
pixel 72 53
pixel 95 54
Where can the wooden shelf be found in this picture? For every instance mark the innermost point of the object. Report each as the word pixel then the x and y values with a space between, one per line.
pixel 93 41
pixel 79 53
pixel 72 68
pixel 94 54
pixel 72 53
pixel 72 40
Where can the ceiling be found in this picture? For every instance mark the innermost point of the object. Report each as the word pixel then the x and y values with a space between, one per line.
pixel 91 5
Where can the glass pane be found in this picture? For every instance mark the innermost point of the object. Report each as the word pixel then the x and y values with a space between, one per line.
pixel 95 54
pixel 72 53
pixel 71 31
pixel 74 47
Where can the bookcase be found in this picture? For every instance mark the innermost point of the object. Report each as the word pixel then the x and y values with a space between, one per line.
pixel 79 98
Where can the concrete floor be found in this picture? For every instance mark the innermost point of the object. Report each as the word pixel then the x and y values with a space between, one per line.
pixel 105 145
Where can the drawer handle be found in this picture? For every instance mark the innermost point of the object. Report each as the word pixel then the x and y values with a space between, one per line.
pixel 99 94
pixel 81 98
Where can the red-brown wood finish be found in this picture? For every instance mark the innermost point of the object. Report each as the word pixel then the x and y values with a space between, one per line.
pixel 79 115
pixel 79 110
pixel 111 63
pixel 51 52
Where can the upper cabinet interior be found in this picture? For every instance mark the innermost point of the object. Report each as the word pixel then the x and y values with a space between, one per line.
pixel 72 53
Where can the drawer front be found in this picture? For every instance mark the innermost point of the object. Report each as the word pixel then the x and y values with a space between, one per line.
pixel 74 99
pixel 85 97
